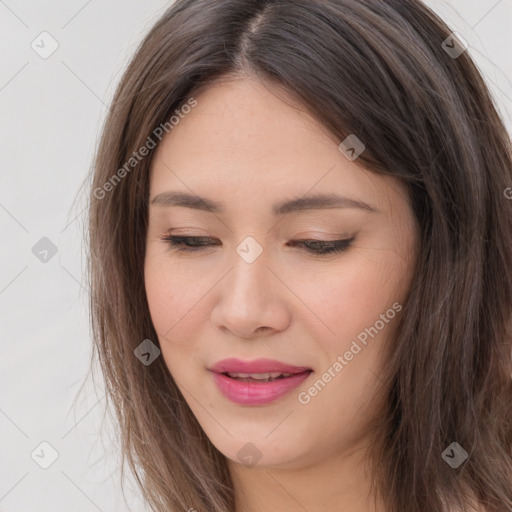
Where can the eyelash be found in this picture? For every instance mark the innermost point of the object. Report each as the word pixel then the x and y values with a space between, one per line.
pixel 326 246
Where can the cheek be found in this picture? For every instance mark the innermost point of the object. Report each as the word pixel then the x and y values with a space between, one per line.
pixel 174 304
pixel 176 312
pixel 350 300
pixel 360 290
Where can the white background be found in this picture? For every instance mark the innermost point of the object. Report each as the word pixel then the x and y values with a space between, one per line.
pixel 51 113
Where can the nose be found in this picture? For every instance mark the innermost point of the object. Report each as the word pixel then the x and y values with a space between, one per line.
pixel 252 300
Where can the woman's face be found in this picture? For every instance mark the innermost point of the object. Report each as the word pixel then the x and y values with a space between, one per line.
pixel 252 291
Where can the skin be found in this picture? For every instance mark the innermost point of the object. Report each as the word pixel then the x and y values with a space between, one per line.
pixel 246 144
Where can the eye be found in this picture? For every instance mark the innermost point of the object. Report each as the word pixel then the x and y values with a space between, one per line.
pixel 320 247
pixel 317 247
pixel 187 243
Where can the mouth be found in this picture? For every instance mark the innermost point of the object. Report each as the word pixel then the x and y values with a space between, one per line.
pixel 257 369
pixel 258 382
pixel 260 377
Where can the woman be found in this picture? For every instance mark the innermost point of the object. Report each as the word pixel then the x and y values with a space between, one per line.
pixel 300 248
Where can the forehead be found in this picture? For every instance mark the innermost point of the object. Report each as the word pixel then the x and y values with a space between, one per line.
pixel 248 141
pixel 245 118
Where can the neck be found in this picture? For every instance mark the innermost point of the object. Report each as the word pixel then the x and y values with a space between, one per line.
pixel 338 482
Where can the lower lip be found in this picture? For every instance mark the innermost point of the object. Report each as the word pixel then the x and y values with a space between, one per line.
pixel 257 393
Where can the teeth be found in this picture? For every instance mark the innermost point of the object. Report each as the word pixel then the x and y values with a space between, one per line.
pixel 258 376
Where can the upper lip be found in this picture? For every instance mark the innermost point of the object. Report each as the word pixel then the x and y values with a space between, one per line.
pixel 234 365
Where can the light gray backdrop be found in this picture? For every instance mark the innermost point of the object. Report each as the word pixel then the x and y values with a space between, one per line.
pixel 52 107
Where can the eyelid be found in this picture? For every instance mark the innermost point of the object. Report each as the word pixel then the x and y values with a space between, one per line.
pixel 324 248
pixel 301 236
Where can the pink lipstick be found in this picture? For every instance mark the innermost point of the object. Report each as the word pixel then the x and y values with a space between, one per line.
pixel 257 382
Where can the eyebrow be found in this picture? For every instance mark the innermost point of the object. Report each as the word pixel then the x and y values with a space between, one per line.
pixel 310 202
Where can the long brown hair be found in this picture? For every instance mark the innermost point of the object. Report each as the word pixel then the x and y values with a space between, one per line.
pixel 381 70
